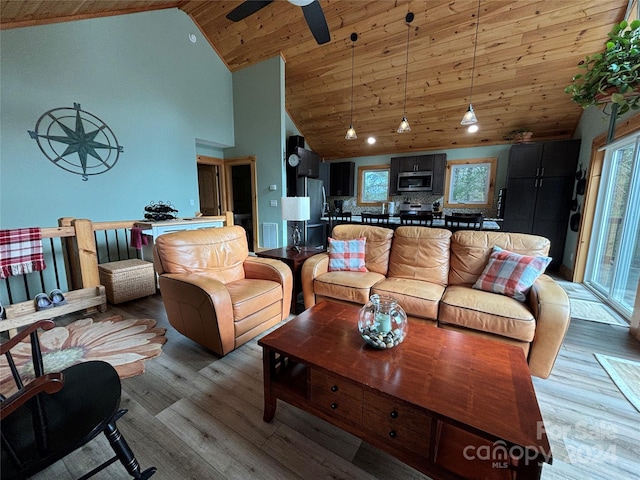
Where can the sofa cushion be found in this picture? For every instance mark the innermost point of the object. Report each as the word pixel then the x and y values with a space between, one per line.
pixel 347 255
pixel 349 286
pixel 416 297
pixel 470 251
pixel 420 253
pixel 487 312
pixel 377 247
pixel 511 274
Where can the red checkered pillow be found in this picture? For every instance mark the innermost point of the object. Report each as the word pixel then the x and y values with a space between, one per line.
pixel 347 255
pixel 510 273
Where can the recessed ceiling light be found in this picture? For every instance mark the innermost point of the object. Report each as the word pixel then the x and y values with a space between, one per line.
pixel 371 140
pixel 193 37
pixel 472 128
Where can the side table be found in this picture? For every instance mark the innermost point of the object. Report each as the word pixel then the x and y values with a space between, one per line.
pixel 294 260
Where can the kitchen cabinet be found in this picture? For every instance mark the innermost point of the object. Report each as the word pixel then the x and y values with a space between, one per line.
pixel 540 181
pixel 341 179
pixel 419 163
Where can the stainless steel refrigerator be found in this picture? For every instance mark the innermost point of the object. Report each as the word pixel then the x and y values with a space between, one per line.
pixel 314 230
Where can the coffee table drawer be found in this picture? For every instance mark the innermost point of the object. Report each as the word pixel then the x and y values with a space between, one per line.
pixel 399 423
pixel 336 396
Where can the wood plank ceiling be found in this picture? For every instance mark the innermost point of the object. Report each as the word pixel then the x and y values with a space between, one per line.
pixel 527 52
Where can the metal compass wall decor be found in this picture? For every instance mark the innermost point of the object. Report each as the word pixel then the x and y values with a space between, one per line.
pixel 63 132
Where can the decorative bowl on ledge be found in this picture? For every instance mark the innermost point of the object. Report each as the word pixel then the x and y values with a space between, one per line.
pixel 382 322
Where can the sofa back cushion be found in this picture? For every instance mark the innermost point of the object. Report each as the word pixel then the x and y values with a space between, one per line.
pixel 420 253
pixel 216 252
pixel 377 246
pixel 470 251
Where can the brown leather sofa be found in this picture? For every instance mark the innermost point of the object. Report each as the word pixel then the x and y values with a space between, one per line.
pixel 430 271
pixel 214 292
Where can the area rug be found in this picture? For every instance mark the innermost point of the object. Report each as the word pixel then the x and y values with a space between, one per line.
pixel 125 344
pixel 594 312
pixel 625 374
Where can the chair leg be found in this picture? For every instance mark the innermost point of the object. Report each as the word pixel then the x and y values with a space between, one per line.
pixel 123 451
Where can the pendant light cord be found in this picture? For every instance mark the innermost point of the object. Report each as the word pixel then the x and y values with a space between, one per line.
pixel 406 71
pixel 475 47
pixel 353 47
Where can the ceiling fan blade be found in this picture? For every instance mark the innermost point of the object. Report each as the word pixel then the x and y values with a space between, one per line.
pixel 247 8
pixel 314 16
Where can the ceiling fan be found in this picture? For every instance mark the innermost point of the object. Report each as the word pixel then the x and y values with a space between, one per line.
pixel 311 9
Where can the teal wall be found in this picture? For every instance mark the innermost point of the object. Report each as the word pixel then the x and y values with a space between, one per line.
pixel 593 122
pixel 162 96
pixel 258 105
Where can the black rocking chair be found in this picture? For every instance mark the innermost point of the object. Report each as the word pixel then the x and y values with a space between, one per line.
pixel 57 413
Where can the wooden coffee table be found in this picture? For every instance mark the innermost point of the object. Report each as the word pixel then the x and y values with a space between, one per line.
pixel 449 404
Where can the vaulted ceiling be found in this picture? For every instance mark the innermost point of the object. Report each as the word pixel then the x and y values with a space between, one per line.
pixel 527 52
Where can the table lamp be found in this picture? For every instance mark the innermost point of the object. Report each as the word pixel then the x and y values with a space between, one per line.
pixel 296 209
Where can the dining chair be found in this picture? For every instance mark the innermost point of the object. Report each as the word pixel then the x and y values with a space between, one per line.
pixel 375 218
pixel 339 218
pixel 463 221
pixel 48 415
pixel 422 218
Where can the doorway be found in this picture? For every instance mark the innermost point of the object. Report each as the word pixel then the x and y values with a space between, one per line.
pixel 241 182
pixel 211 185
pixel 613 266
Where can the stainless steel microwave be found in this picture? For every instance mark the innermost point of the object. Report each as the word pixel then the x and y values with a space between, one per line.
pixel 415 181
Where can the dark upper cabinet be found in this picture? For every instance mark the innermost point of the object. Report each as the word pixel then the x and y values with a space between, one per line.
pixel 419 163
pixel 540 182
pixel 439 170
pixel 341 179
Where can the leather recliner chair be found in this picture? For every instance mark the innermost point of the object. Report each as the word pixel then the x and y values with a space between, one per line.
pixel 214 292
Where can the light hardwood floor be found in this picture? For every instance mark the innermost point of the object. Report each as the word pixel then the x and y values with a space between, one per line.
pixel 197 416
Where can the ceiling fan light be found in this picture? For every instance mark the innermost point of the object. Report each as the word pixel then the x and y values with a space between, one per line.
pixel 351 133
pixel 404 126
pixel 469 117
pixel 301 3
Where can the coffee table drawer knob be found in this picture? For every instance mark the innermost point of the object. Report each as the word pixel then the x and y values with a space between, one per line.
pixel 334 388
pixel 394 414
pixel 393 434
pixel 334 405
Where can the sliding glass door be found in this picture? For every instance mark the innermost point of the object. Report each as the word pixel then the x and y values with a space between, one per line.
pixel 613 267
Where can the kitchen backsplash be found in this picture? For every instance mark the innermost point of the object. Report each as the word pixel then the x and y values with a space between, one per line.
pixel 350 204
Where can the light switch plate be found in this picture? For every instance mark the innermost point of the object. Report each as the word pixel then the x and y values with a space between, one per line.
pixel 273 203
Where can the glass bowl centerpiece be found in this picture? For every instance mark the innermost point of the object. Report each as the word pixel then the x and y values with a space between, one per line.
pixel 382 322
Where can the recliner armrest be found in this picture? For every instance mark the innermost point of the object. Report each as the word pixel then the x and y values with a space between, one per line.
pixel 312 268
pixel 188 289
pixel 550 306
pixel 276 271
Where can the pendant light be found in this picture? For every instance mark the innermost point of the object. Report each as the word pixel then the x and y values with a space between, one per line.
pixel 351 132
pixel 469 117
pixel 404 124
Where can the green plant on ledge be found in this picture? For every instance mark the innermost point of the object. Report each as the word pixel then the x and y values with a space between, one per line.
pixel 613 76
pixel 519 135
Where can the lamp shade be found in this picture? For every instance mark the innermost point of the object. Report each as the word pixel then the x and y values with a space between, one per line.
pixel 296 209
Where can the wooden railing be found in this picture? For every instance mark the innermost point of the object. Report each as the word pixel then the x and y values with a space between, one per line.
pixel 75 260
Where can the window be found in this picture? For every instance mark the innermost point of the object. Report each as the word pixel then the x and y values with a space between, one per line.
pixel 469 183
pixel 373 185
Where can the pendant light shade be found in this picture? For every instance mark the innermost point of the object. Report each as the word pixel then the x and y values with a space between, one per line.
pixel 469 117
pixel 404 124
pixel 351 132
